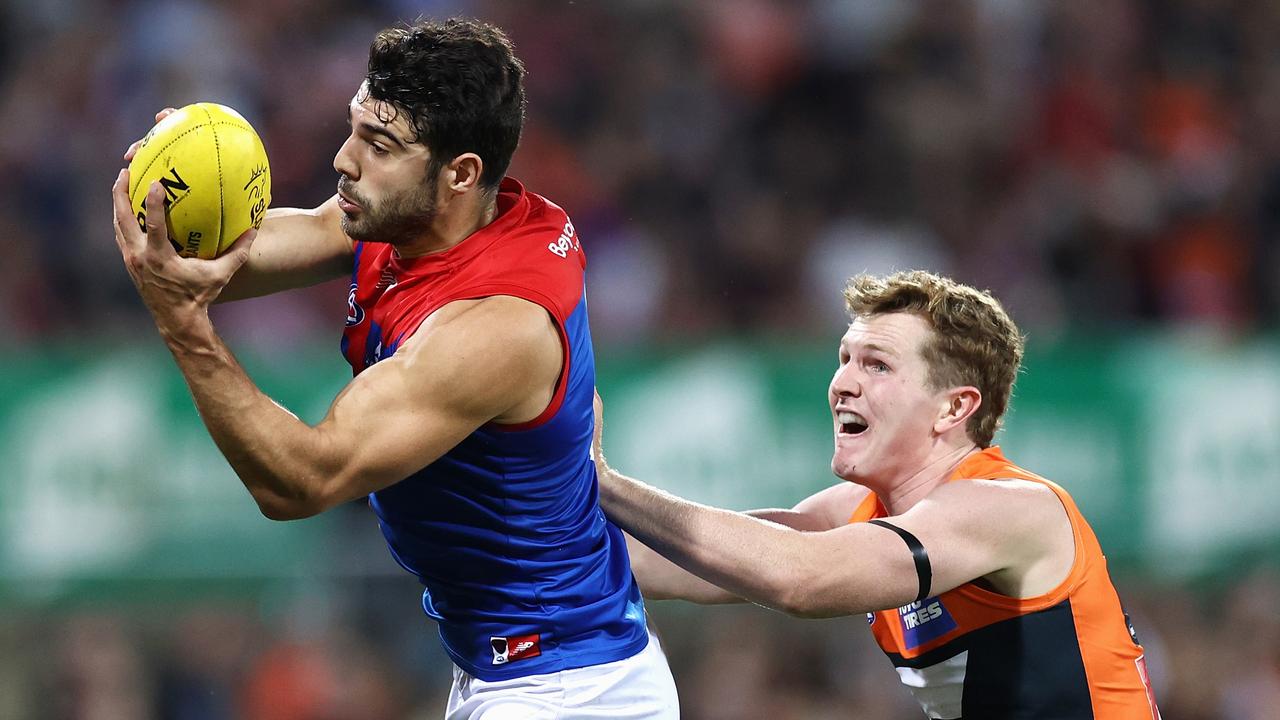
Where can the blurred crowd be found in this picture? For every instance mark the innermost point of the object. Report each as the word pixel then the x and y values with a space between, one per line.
pixel 1099 164
pixel 1096 163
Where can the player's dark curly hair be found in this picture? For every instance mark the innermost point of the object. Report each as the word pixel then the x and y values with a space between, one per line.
pixel 460 84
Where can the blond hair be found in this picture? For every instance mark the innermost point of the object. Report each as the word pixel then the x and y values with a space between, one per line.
pixel 974 341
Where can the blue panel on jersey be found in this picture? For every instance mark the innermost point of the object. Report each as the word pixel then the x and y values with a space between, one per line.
pixel 924 621
pixel 521 569
pixel 373 344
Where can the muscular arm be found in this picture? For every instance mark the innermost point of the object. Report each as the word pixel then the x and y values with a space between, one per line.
pixel 294 248
pixel 971 530
pixel 469 363
pixel 662 579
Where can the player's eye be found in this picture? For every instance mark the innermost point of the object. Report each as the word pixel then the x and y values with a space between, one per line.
pixel 378 149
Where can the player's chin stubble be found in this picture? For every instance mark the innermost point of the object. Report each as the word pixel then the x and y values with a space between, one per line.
pixel 397 220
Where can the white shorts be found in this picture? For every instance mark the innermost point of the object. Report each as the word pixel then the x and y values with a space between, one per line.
pixel 637 688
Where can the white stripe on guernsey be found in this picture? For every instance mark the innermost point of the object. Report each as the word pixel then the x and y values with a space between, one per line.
pixel 938 688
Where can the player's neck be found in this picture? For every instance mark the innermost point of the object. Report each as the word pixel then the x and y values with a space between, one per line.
pixel 900 495
pixel 452 224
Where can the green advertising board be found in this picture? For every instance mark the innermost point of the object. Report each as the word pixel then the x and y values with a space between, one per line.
pixel 111 480
pixel 1170 445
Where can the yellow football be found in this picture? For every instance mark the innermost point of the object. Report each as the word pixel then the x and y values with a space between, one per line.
pixel 215 175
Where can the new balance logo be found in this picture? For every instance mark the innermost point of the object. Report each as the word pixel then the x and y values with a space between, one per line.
pixel 511 649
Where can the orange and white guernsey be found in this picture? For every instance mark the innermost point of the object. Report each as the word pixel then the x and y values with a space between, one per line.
pixel 973 653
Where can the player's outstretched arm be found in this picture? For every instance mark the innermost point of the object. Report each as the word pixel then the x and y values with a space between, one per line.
pixel 971 530
pixel 658 577
pixel 662 579
pixel 468 363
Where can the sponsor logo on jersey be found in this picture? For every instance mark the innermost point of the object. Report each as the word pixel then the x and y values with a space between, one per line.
pixel 566 242
pixel 355 313
pixel 924 621
pixel 516 647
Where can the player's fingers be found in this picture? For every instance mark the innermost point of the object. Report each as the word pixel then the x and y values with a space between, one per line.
pixel 236 255
pixel 165 113
pixel 157 227
pixel 127 232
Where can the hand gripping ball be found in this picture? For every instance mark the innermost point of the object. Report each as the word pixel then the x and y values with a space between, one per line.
pixel 215 175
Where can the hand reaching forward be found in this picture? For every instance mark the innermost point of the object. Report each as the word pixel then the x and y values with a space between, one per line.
pixel 171 286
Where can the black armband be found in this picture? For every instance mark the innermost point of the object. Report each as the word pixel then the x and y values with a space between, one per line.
pixel 924 571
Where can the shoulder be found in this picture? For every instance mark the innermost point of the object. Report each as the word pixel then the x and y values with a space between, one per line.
pixel 1025 528
pixel 547 227
pixel 999 491
pixel 1025 501
pixel 482 352
pixel 1017 518
pixel 503 321
pixel 538 260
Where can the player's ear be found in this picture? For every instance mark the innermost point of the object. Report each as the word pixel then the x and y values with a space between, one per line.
pixel 463 173
pixel 957 405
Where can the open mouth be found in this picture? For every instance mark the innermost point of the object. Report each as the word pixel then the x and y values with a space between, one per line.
pixel 851 423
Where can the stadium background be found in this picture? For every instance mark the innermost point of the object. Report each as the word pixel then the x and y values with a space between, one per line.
pixel 1109 168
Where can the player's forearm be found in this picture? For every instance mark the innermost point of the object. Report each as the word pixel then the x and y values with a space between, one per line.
pixel 294 248
pixel 661 579
pixel 748 557
pixel 276 455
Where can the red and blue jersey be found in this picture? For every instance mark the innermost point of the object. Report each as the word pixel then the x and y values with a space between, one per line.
pixel 522 571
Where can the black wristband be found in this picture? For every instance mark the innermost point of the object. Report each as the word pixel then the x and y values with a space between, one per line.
pixel 924 571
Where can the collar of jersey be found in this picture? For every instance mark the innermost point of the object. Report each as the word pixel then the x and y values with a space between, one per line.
pixel 979 463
